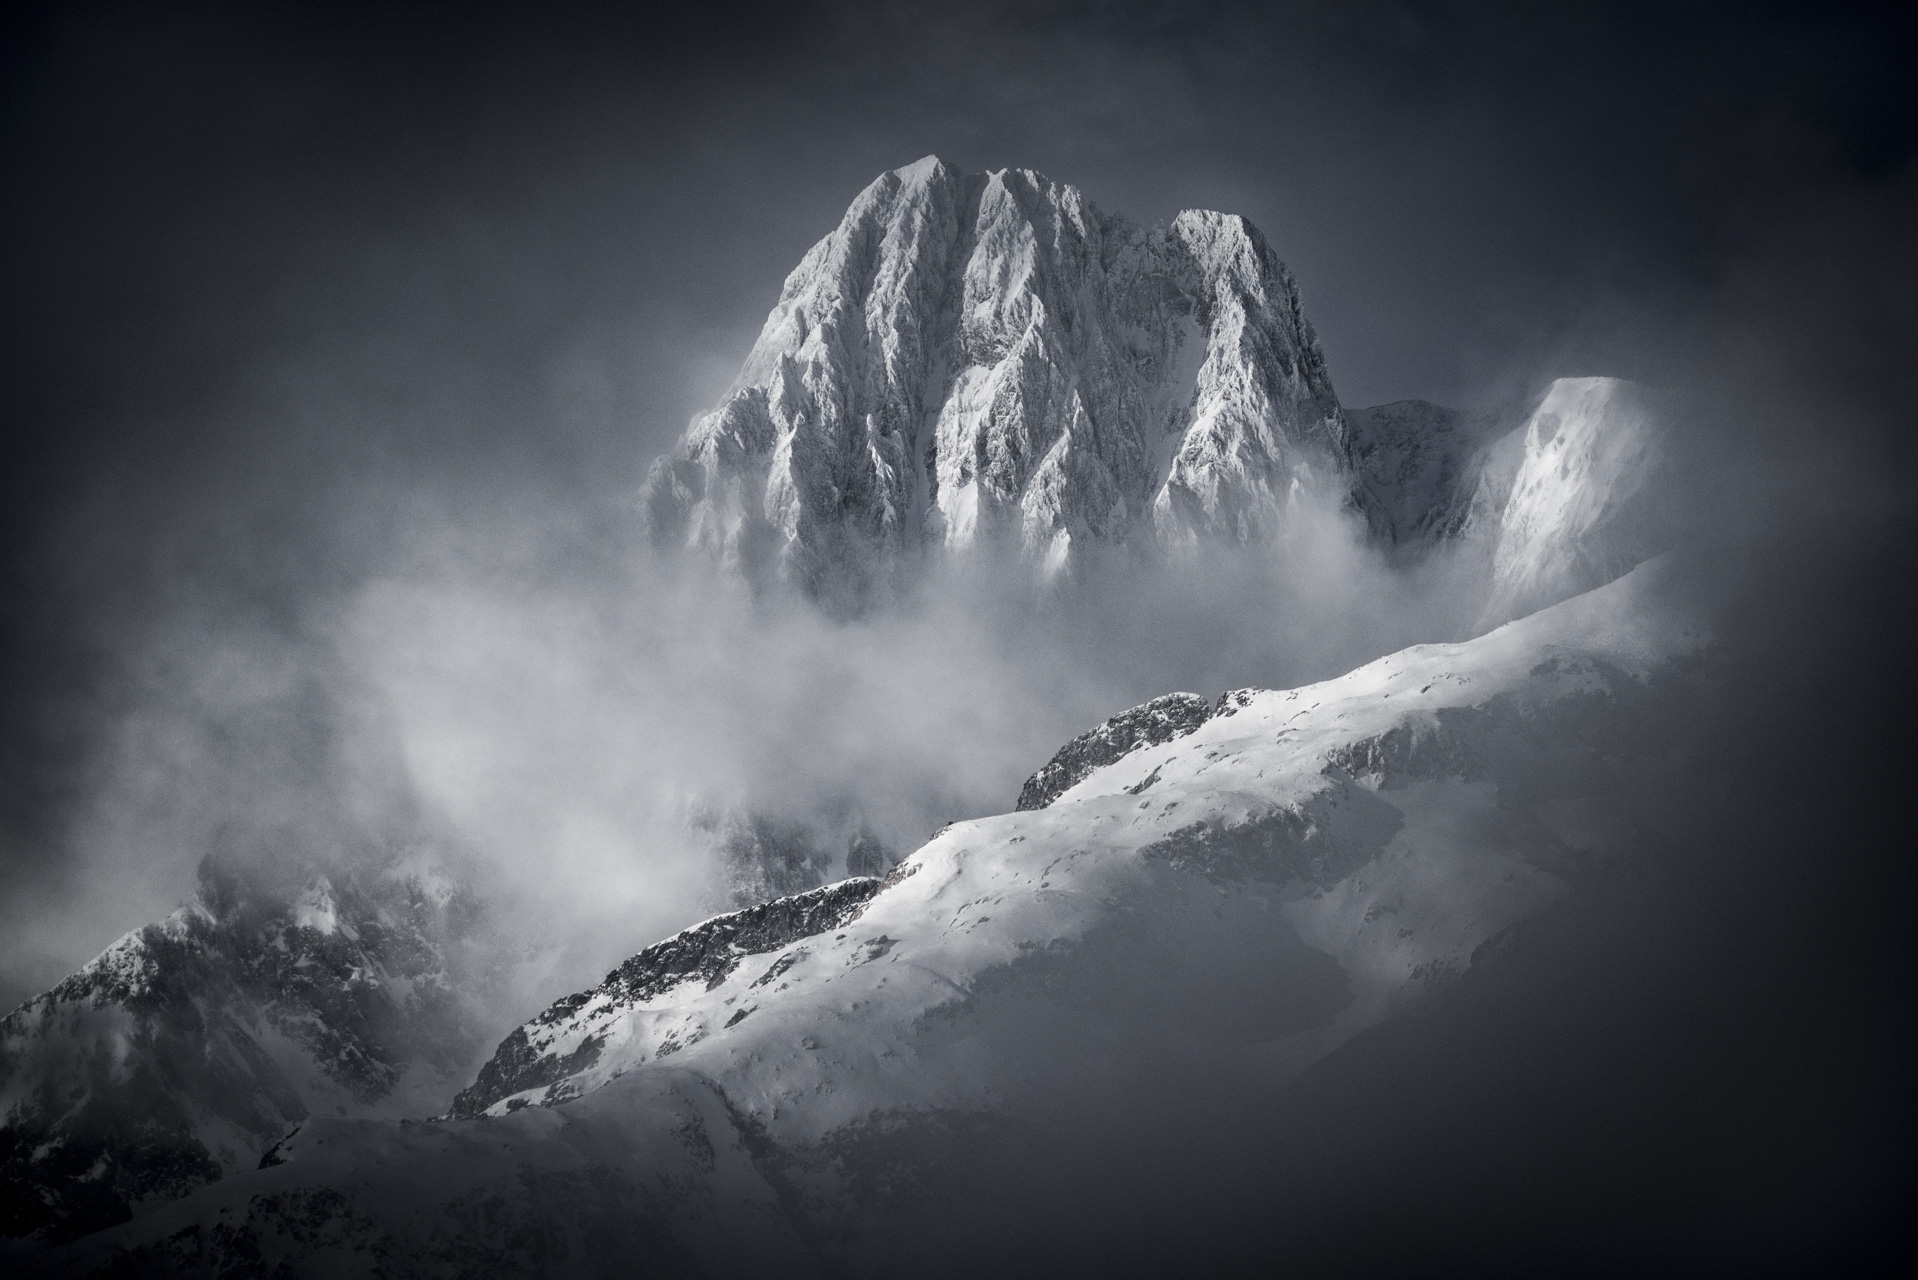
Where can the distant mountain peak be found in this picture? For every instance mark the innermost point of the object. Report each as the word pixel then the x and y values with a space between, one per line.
pixel 189 1046
pixel 988 360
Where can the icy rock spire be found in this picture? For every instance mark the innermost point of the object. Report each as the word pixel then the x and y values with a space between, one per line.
pixel 987 360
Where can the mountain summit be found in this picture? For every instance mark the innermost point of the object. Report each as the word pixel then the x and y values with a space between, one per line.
pixel 973 360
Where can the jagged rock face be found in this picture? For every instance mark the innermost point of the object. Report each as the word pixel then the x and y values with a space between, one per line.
pixel 1170 716
pixel 976 360
pixel 188 1047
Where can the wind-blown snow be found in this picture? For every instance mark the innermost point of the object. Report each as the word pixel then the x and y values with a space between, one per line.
pixel 1583 505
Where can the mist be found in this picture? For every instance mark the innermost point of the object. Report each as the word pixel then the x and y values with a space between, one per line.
pixel 549 710
pixel 337 347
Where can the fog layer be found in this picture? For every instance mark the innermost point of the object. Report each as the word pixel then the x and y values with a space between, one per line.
pixel 337 347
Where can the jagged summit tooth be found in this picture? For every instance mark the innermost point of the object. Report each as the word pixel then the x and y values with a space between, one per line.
pixel 974 360
pixel 925 169
pixel 1264 420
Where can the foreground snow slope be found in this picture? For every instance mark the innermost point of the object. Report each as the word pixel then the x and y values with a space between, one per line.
pixel 1238 897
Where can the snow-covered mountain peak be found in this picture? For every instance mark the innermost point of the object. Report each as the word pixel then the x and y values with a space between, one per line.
pixel 924 169
pixel 975 360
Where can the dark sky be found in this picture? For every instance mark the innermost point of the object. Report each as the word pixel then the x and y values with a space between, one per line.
pixel 274 279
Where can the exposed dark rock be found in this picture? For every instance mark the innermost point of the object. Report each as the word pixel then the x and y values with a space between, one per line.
pixel 1161 720
pixel 780 966
pixel 706 952
pixel 1317 845
pixel 1416 468
pixel 1447 744
pixel 517 1067
pixel 711 950
pixel 1232 701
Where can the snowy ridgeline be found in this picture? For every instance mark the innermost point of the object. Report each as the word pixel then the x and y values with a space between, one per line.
pixel 1363 817
pixel 1228 887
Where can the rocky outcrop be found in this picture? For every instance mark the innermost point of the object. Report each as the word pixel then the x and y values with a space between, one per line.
pixel 1170 716
pixel 975 360
pixel 551 1047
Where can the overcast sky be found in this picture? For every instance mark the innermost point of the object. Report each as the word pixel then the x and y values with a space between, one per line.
pixel 274 281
